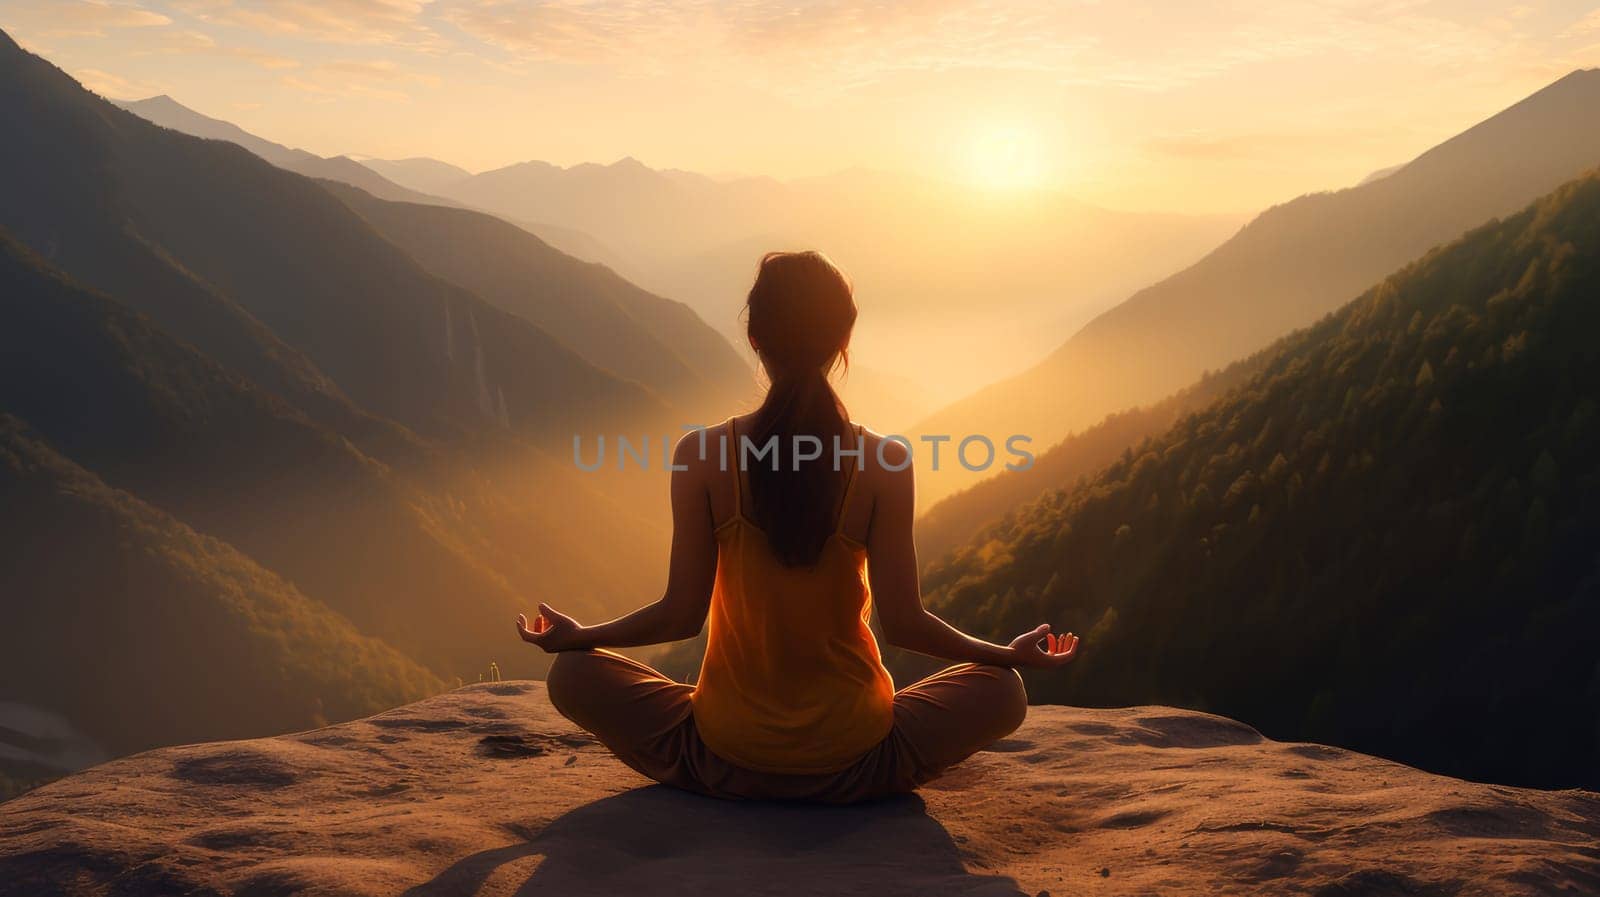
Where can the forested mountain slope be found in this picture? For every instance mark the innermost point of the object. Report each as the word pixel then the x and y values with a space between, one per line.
pixel 228 348
pixel 150 415
pixel 1292 264
pixel 144 632
pixel 1385 540
pixel 218 245
pixel 953 521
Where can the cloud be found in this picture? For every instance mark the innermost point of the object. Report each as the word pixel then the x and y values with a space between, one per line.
pixel 116 87
pixel 335 21
pixel 585 30
pixel 195 43
pixel 815 50
pixel 1589 24
pixel 26 43
pixel 378 70
pixel 818 47
pixel 776 43
pixel 1151 45
pixel 360 79
pixel 574 30
pixel 84 18
pixel 259 57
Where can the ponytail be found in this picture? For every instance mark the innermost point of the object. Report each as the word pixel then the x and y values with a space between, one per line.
pixel 795 507
pixel 801 312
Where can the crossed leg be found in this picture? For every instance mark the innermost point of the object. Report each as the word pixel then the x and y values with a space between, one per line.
pixel 645 719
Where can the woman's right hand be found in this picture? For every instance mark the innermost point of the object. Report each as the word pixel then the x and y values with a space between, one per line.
pixel 551 630
pixel 1039 648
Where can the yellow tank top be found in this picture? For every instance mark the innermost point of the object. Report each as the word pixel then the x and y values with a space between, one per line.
pixel 792 681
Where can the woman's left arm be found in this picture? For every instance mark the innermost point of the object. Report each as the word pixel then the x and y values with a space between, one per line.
pixel 681 610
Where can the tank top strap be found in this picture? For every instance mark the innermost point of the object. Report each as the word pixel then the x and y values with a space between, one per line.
pixel 730 460
pixel 850 479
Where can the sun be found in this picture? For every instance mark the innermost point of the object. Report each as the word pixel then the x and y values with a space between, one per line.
pixel 1004 158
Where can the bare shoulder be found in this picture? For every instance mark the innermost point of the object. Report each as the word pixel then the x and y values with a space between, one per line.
pixel 886 459
pixel 697 452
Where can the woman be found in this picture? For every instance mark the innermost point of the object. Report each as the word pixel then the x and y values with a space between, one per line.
pixel 792 701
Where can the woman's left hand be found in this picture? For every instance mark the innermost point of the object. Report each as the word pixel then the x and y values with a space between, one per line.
pixel 551 630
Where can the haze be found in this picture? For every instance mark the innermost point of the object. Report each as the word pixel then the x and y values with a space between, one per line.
pixel 1136 106
pixel 1296 307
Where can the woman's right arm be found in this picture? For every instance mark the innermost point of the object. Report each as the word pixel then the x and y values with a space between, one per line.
pixel 680 612
pixel 897 587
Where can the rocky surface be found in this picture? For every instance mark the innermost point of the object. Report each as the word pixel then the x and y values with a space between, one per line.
pixel 486 791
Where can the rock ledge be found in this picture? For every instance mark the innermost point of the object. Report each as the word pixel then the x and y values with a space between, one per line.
pixel 487 791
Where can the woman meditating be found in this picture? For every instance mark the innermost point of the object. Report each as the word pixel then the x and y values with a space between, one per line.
pixel 785 555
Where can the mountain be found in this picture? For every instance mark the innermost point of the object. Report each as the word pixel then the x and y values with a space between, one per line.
pixel 420 173
pixel 1292 264
pixel 228 346
pixel 1135 801
pixel 146 214
pixel 66 206
pixel 924 288
pixel 609 321
pixel 1384 540
pixel 1380 174
pixel 341 172
pixel 953 521
pixel 372 175
pixel 169 113
pixel 153 417
pixel 142 631
pixel 930 261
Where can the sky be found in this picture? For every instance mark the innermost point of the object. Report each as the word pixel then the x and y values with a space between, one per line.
pixel 1139 105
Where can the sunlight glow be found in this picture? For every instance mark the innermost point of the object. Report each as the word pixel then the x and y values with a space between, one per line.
pixel 1004 157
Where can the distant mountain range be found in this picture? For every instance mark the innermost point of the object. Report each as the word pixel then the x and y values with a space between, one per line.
pixel 1384 539
pixel 277 451
pixel 928 328
pixel 612 323
pixel 398 181
pixel 1288 267
pixel 931 262
pixel 149 215
pixel 169 113
pixel 420 173
pixel 294 432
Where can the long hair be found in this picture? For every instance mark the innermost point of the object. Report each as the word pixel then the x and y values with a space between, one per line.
pixel 799 313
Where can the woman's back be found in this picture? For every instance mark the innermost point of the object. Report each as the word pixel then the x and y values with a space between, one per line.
pixel 793 700
pixel 792 681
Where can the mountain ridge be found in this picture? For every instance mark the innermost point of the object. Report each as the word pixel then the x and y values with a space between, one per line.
pixel 167 112
pixel 925 256
pixel 234 349
pixel 1288 266
pixel 206 210
pixel 613 324
pixel 1404 492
